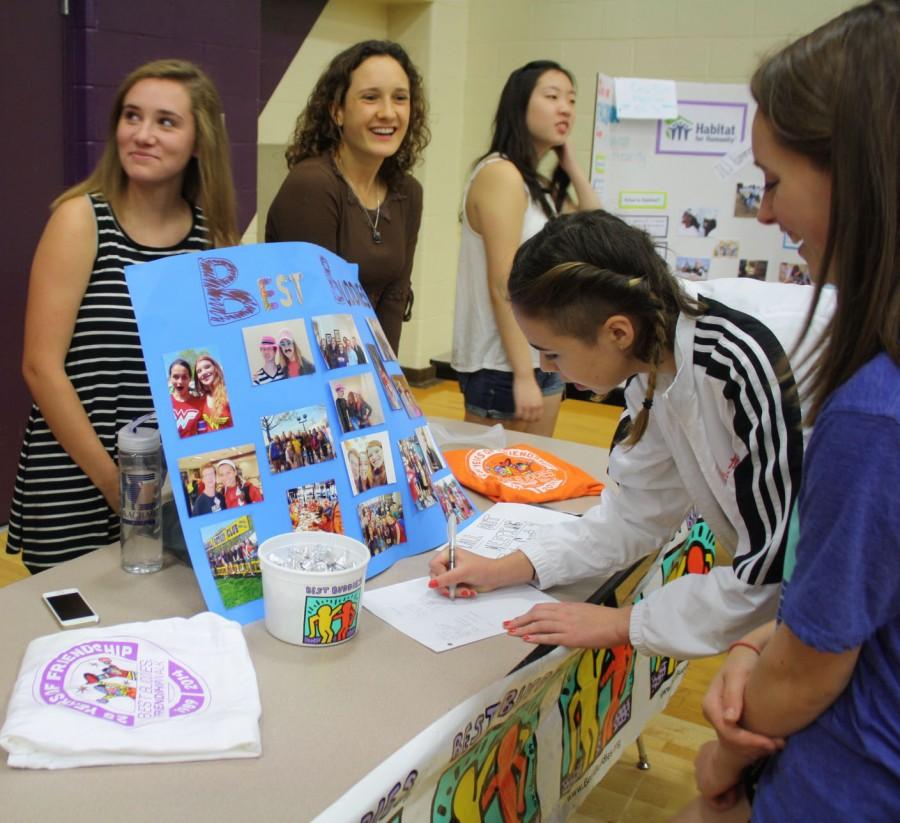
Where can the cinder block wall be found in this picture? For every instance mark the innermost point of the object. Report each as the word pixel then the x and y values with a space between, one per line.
pixel 467 48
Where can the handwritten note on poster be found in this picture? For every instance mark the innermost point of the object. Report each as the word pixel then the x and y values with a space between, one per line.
pixel 638 98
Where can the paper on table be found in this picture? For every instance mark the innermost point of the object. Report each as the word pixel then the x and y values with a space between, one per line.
pixel 505 527
pixel 638 98
pixel 440 623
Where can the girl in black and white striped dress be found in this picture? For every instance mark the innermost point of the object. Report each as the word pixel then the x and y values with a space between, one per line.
pixel 166 154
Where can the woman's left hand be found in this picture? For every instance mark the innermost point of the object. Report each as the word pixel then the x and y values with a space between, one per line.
pixel 576 625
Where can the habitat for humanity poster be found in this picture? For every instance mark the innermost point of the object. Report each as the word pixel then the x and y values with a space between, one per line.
pixel 282 407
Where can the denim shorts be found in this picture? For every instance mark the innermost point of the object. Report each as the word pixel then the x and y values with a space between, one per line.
pixel 489 393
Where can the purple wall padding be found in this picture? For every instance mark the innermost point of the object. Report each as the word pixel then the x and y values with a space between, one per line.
pixel 284 26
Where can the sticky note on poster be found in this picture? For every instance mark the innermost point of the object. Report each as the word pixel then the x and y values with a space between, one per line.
pixel 282 407
pixel 639 98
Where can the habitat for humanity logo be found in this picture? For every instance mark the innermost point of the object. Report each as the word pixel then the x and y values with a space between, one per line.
pixel 702 127
pixel 679 128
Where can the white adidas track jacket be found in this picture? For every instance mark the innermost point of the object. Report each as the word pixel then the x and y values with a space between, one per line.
pixel 725 437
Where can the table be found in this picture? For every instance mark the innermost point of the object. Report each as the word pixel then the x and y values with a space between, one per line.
pixel 329 715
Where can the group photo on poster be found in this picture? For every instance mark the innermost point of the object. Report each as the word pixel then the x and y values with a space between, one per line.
pixel 418 472
pixel 297 438
pixel 315 507
pixel 382 522
pixel 338 340
pixel 231 549
pixel 356 402
pixel 390 390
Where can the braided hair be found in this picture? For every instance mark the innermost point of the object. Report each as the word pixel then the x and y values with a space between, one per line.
pixel 582 268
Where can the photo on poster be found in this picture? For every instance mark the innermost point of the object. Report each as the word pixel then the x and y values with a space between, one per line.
pixel 356 402
pixel 692 268
pixel 698 221
pixel 452 498
pixel 390 390
pixel 221 479
pixel 753 268
pixel 406 397
pixel 726 248
pixel 384 347
pixel 197 391
pixel 338 340
pixel 429 447
pixel 418 473
pixel 369 461
pixel 314 507
pixel 747 199
pixel 231 550
pixel 297 438
pixel 797 273
pixel 382 523
pixel 276 351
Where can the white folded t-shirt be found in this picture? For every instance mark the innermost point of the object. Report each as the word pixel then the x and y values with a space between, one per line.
pixel 155 692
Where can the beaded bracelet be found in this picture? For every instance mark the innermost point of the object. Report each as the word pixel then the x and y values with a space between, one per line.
pixel 745 644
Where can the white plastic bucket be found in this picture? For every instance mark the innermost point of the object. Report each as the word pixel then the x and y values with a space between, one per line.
pixel 313 608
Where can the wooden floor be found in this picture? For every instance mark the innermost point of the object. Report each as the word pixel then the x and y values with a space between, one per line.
pixel 626 795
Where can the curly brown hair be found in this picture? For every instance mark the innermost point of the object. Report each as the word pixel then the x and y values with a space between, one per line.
pixel 316 133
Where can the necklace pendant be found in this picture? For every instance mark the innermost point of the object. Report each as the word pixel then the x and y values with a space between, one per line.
pixel 376 236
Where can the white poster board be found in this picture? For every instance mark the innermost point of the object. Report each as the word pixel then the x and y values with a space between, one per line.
pixel 690 182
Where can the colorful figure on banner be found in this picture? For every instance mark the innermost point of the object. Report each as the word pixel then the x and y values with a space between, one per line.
pixel 165 175
pixel 349 187
pixel 595 703
pixel 696 555
pixel 497 779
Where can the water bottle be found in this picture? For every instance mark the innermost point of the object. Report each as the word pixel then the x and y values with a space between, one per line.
pixel 140 481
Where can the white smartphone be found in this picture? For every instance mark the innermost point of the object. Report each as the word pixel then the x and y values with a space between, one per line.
pixel 69 607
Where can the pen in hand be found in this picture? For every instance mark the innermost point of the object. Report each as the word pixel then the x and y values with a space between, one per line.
pixel 451 548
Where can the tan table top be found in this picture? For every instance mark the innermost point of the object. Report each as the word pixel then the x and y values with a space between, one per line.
pixel 329 715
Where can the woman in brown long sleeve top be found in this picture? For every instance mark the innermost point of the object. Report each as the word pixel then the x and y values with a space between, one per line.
pixel 348 187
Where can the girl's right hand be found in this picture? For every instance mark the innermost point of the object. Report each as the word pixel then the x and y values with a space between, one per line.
pixel 528 398
pixel 474 573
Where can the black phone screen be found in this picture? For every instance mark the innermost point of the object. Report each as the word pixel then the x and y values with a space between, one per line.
pixel 69 606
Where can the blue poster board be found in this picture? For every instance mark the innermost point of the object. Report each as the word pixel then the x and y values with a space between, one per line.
pixel 282 408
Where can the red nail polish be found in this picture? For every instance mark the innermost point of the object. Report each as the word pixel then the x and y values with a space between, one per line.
pixel 432 584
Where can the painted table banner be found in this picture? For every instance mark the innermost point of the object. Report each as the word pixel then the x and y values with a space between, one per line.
pixel 282 407
pixel 529 747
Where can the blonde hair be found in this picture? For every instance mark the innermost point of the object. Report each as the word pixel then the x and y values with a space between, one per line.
pixel 219 393
pixel 207 178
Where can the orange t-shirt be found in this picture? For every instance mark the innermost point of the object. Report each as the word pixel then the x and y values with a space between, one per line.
pixel 520 474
